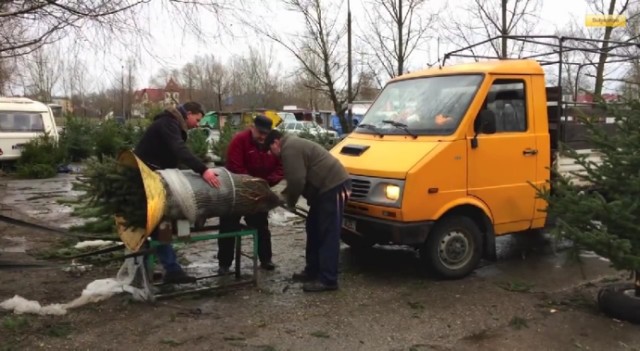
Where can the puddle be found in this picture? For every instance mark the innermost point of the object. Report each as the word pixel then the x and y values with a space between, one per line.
pixel 15 245
pixel 38 198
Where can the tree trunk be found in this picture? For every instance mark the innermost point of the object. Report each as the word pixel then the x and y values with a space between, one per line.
pixel 602 57
pixel 637 283
pixel 504 29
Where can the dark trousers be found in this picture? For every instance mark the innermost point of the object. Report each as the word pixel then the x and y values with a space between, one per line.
pixel 324 224
pixel 226 246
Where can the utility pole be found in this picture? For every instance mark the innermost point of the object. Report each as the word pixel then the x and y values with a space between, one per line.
pixel 349 95
pixel 122 94
pixel 400 48
pixel 504 29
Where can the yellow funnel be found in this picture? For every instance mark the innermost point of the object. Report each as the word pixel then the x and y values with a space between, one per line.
pixel 156 195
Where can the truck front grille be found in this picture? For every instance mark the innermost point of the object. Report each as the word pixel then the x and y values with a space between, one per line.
pixel 360 188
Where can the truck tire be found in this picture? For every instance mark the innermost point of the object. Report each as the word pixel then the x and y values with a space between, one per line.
pixel 618 301
pixel 453 248
pixel 355 241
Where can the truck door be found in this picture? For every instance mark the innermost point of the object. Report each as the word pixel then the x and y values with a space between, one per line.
pixel 503 163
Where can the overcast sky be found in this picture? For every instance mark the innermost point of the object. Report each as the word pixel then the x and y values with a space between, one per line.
pixel 171 47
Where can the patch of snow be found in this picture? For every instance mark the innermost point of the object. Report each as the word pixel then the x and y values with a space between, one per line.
pixel 92 243
pixel 95 291
pixel 282 218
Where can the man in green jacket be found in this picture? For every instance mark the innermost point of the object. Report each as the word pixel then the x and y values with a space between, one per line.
pixel 311 171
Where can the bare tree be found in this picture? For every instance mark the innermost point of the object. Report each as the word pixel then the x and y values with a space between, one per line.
pixel 160 79
pixel 395 28
pixel 631 85
pixel 43 73
pixel 484 19
pixel 131 70
pixel 613 8
pixel 26 25
pixel 604 59
pixel 211 81
pixel 318 48
pixel 189 77
pixel 368 87
pixel 577 64
pixel 7 75
pixel 254 78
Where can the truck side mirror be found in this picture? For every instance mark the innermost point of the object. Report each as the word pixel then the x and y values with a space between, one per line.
pixel 485 123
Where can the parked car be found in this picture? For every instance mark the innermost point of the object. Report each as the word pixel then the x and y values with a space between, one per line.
pixel 213 136
pixel 310 127
pixel 287 117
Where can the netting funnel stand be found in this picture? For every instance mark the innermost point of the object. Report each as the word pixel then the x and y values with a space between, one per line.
pixel 174 194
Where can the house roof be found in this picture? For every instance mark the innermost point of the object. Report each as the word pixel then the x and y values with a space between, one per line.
pixel 589 97
pixel 172 85
pixel 153 94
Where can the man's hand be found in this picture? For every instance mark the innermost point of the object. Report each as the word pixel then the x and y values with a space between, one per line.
pixel 282 199
pixel 211 178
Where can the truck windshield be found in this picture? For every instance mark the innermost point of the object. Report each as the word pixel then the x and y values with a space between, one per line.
pixel 426 106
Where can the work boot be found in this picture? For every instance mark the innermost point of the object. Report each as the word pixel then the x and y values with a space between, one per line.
pixel 318 286
pixel 302 276
pixel 178 277
pixel 223 270
pixel 269 266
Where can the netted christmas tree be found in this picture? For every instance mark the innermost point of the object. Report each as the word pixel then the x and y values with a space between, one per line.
pixel 605 216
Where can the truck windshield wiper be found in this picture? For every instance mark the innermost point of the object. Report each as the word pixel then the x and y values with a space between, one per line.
pixel 370 127
pixel 400 126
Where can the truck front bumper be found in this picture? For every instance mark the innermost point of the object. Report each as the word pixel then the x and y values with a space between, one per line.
pixel 388 232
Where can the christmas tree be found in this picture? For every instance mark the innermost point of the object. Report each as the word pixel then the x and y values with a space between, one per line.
pixel 604 216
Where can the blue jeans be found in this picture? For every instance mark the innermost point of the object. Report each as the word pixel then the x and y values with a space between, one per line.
pixel 166 255
pixel 324 225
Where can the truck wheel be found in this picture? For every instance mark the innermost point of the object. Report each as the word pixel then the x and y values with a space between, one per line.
pixel 355 241
pixel 453 248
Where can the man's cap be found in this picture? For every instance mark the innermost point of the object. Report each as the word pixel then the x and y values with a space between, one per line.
pixel 263 123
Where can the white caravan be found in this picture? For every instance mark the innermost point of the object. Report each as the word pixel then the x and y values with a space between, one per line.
pixel 22 120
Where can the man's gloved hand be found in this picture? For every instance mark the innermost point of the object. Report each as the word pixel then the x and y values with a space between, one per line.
pixel 211 178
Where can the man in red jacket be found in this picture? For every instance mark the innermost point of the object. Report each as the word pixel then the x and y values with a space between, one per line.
pixel 248 155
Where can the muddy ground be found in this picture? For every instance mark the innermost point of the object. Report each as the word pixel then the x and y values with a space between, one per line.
pixel 531 299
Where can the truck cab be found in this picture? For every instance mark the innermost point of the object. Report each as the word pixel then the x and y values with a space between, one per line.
pixel 445 159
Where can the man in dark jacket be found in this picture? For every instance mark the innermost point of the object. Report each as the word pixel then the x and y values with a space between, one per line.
pixel 311 171
pixel 247 155
pixel 163 146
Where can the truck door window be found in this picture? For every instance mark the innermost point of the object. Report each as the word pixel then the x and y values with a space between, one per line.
pixel 507 100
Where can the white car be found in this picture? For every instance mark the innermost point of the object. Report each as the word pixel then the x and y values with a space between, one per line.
pixel 310 127
pixel 287 117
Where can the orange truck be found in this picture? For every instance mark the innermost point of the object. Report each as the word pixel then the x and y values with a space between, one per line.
pixel 445 158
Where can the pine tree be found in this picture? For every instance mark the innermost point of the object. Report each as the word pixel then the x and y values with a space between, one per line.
pixel 605 216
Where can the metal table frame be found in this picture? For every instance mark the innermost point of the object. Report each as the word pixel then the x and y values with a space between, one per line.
pixel 211 233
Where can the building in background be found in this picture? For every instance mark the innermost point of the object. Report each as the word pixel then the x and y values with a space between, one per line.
pixel 149 99
pixel 65 103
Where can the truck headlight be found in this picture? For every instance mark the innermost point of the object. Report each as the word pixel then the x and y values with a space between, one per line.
pixel 392 192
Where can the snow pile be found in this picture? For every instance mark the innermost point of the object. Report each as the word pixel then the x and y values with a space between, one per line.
pixel 95 291
pixel 92 243
pixel 282 218
pixel 20 305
